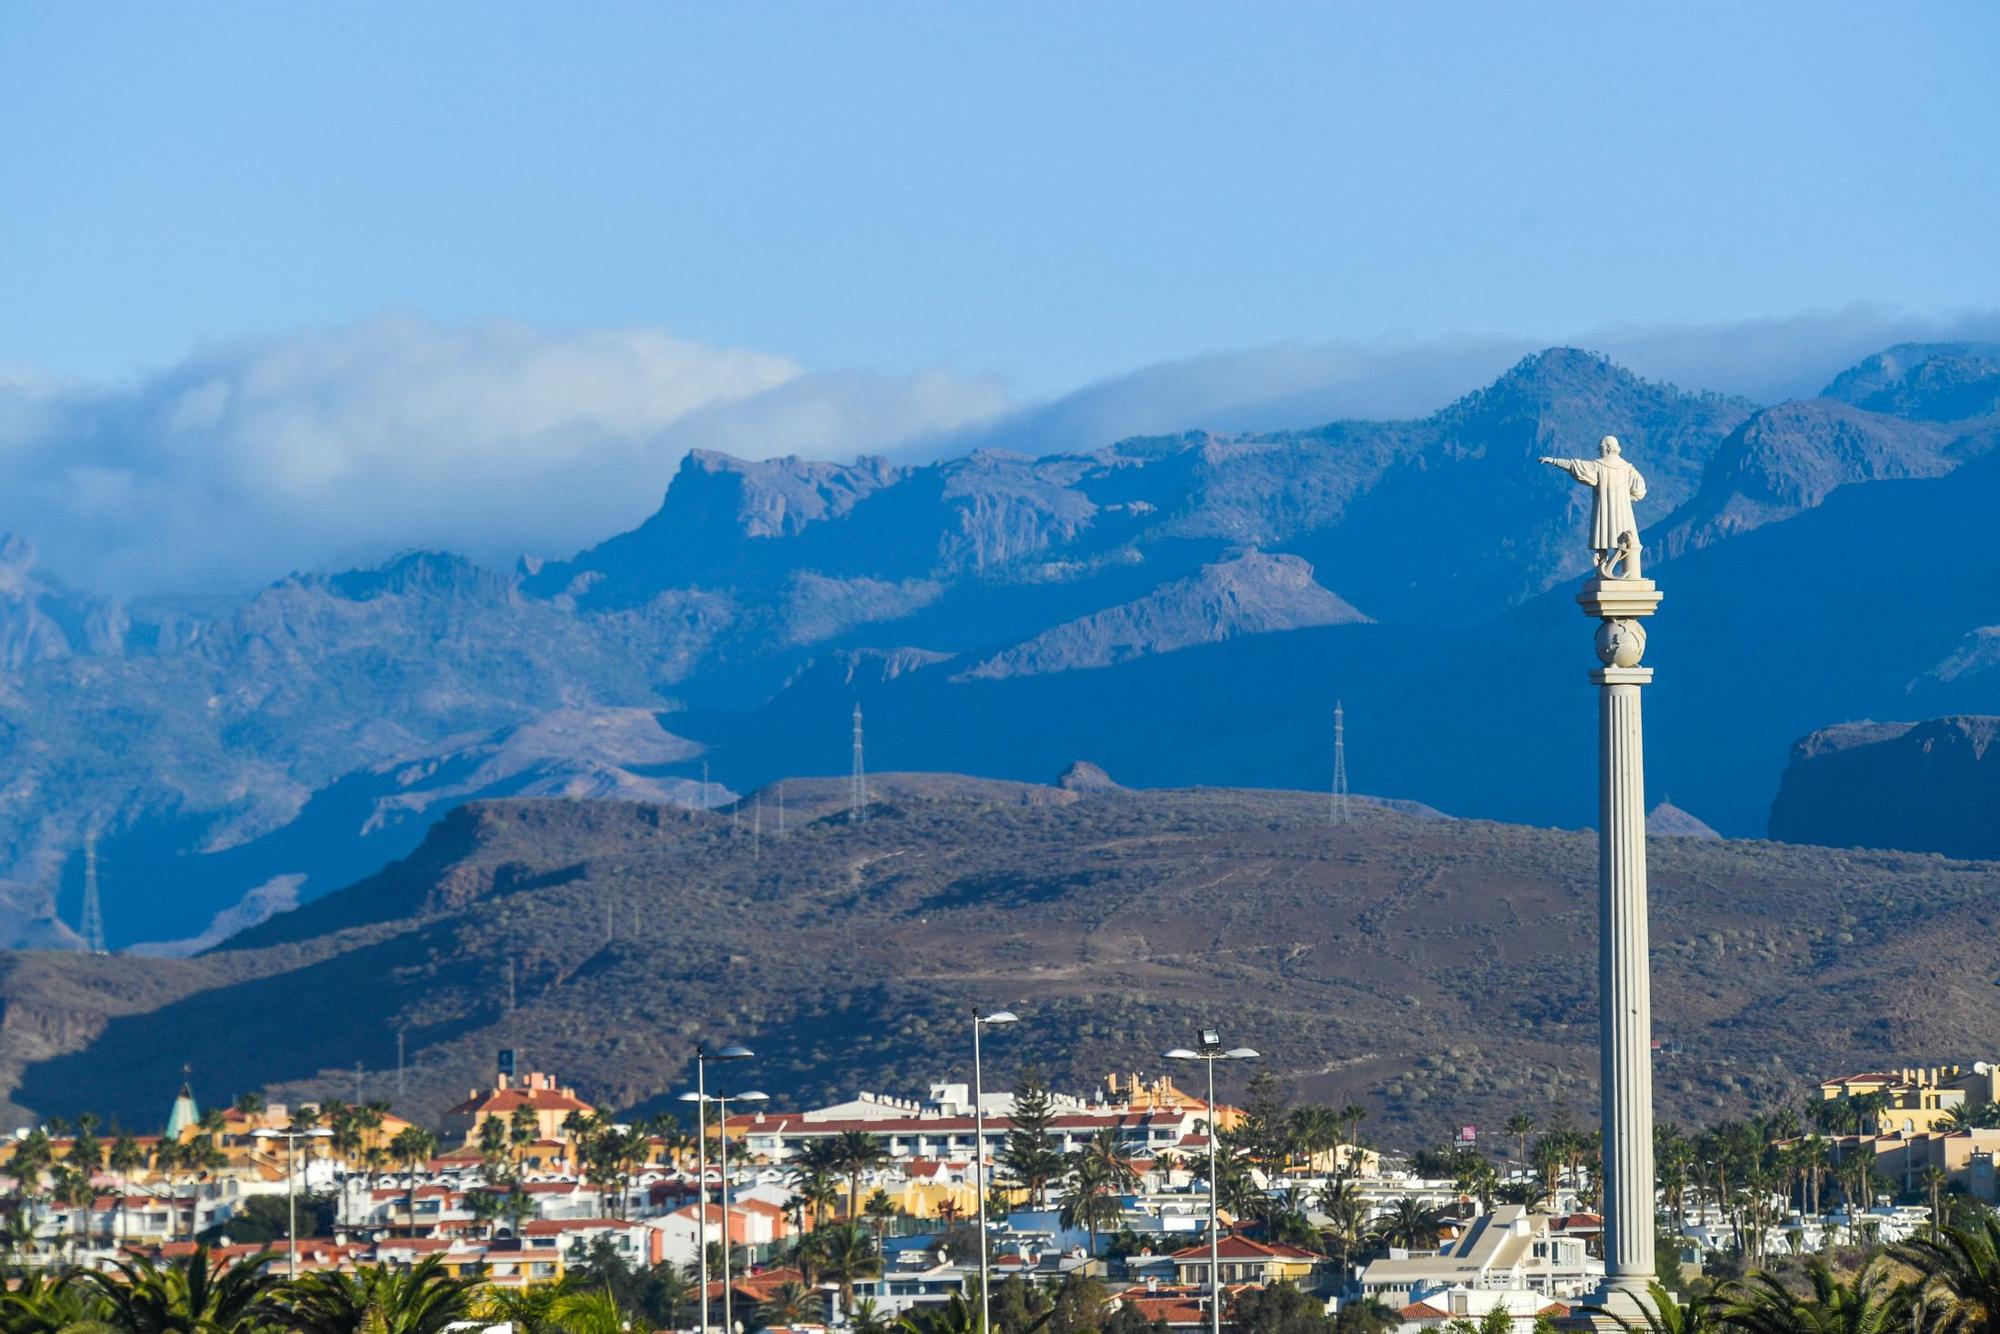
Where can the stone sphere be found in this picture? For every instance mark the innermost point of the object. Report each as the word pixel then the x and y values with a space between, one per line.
pixel 1621 643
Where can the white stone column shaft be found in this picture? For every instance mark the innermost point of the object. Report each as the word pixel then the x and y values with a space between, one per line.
pixel 1625 993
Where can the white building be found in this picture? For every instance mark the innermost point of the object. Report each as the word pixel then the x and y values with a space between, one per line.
pixel 1508 1249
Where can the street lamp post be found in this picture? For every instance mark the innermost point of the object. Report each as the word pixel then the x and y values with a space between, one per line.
pixel 291 1138
pixel 722 1101
pixel 702 1056
pixel 979 1021
pixel 1209 1052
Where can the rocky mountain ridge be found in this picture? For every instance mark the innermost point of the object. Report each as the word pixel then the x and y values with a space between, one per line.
pixel 1932 785
pixel 1153 578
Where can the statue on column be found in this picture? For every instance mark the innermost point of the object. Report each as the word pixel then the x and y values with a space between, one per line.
pixel 1614 533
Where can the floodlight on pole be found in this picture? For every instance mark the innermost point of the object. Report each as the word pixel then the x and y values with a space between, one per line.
pixel 702 1057
pixel 722 1101
pixel 1211 1051
pixel 291 1138
pixel 997 1019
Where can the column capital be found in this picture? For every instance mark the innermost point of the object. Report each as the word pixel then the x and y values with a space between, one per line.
pixel 1619 599
pixel 1622 676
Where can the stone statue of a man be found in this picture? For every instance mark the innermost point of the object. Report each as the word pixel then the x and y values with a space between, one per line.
pixel 1614 533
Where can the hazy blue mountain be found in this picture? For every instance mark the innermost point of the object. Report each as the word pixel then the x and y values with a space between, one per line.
pixel 1931 786
pixel 1178 608
pixel 1941 382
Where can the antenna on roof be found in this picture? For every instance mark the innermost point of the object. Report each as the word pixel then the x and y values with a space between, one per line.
pixel 1336 810
pixel 92 923
pixel 857 785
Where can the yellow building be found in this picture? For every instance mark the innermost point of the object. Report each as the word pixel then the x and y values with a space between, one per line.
pixel 1914 1100
pixel 549 1103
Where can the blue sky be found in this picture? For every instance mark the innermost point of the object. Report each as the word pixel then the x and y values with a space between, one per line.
pixel 1051 193
pixel 286 286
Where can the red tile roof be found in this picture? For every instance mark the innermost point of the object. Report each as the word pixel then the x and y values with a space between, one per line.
pixel 549 1227
pixel 495 1101
pixel 1233 1247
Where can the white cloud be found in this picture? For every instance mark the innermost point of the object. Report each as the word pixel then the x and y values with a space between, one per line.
pixel 344 445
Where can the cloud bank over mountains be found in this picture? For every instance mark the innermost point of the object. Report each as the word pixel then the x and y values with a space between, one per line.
pixel 340 446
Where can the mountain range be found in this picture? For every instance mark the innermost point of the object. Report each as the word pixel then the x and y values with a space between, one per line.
pixel 1180 610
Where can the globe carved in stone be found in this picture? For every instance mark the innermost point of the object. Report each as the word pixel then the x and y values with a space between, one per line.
pixel 1621 643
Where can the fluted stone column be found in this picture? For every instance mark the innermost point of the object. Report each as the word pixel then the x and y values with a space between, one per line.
pixel 1625 1017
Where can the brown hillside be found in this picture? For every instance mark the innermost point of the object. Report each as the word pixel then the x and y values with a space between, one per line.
pixel 1441 971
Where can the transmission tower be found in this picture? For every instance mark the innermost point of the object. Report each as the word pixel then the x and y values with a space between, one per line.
pixel 1336 811
pixel 93 906
pixel 857 787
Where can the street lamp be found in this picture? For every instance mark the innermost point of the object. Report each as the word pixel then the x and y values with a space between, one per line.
pixel 722 1101
pixel 1209 1052
pixel 702 1057
pixel 292 1137
pixel 997 1019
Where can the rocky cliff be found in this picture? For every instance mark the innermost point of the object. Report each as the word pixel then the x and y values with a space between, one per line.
pixel 1930 787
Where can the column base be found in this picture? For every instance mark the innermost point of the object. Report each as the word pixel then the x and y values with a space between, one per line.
pixel 1620 1306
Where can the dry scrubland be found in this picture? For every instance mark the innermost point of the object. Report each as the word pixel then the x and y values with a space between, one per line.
pixel 1442 972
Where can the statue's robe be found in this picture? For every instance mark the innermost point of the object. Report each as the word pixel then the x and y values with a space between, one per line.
pixel 1617 484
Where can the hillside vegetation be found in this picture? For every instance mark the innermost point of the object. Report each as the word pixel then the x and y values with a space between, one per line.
pixel 1441 971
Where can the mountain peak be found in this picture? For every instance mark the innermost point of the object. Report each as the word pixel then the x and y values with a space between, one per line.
pixel 1560 370
pixel 1939 382
pixel 431 572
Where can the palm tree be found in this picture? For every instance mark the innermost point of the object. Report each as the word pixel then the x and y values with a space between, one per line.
pixel 212 1124
pixel 881 1210
pixel 1932 1179
pixel 37 1304
pixel 1411 1224
pixel 586 1313
pixel 1315 1129
pixel 954 1317
pixel 1871 1304
pixel 143 1296
pixel 72 1189
pixel 1352 1115
pixel 1090 1197
pixel 859 1152
pixel 868 1318
pixel 1520 1125
pixel 493 1148
pixel 413 1146
pixel 486 1205
pixel 1665 1315
pixel 1341 1201
pixel 126 1158
pixel 420 1300
pixel 790 1304
pixel 517 1208
pixel 523 1129
pixel 1958 1276
pixel 33 1155
pixel 845 1254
